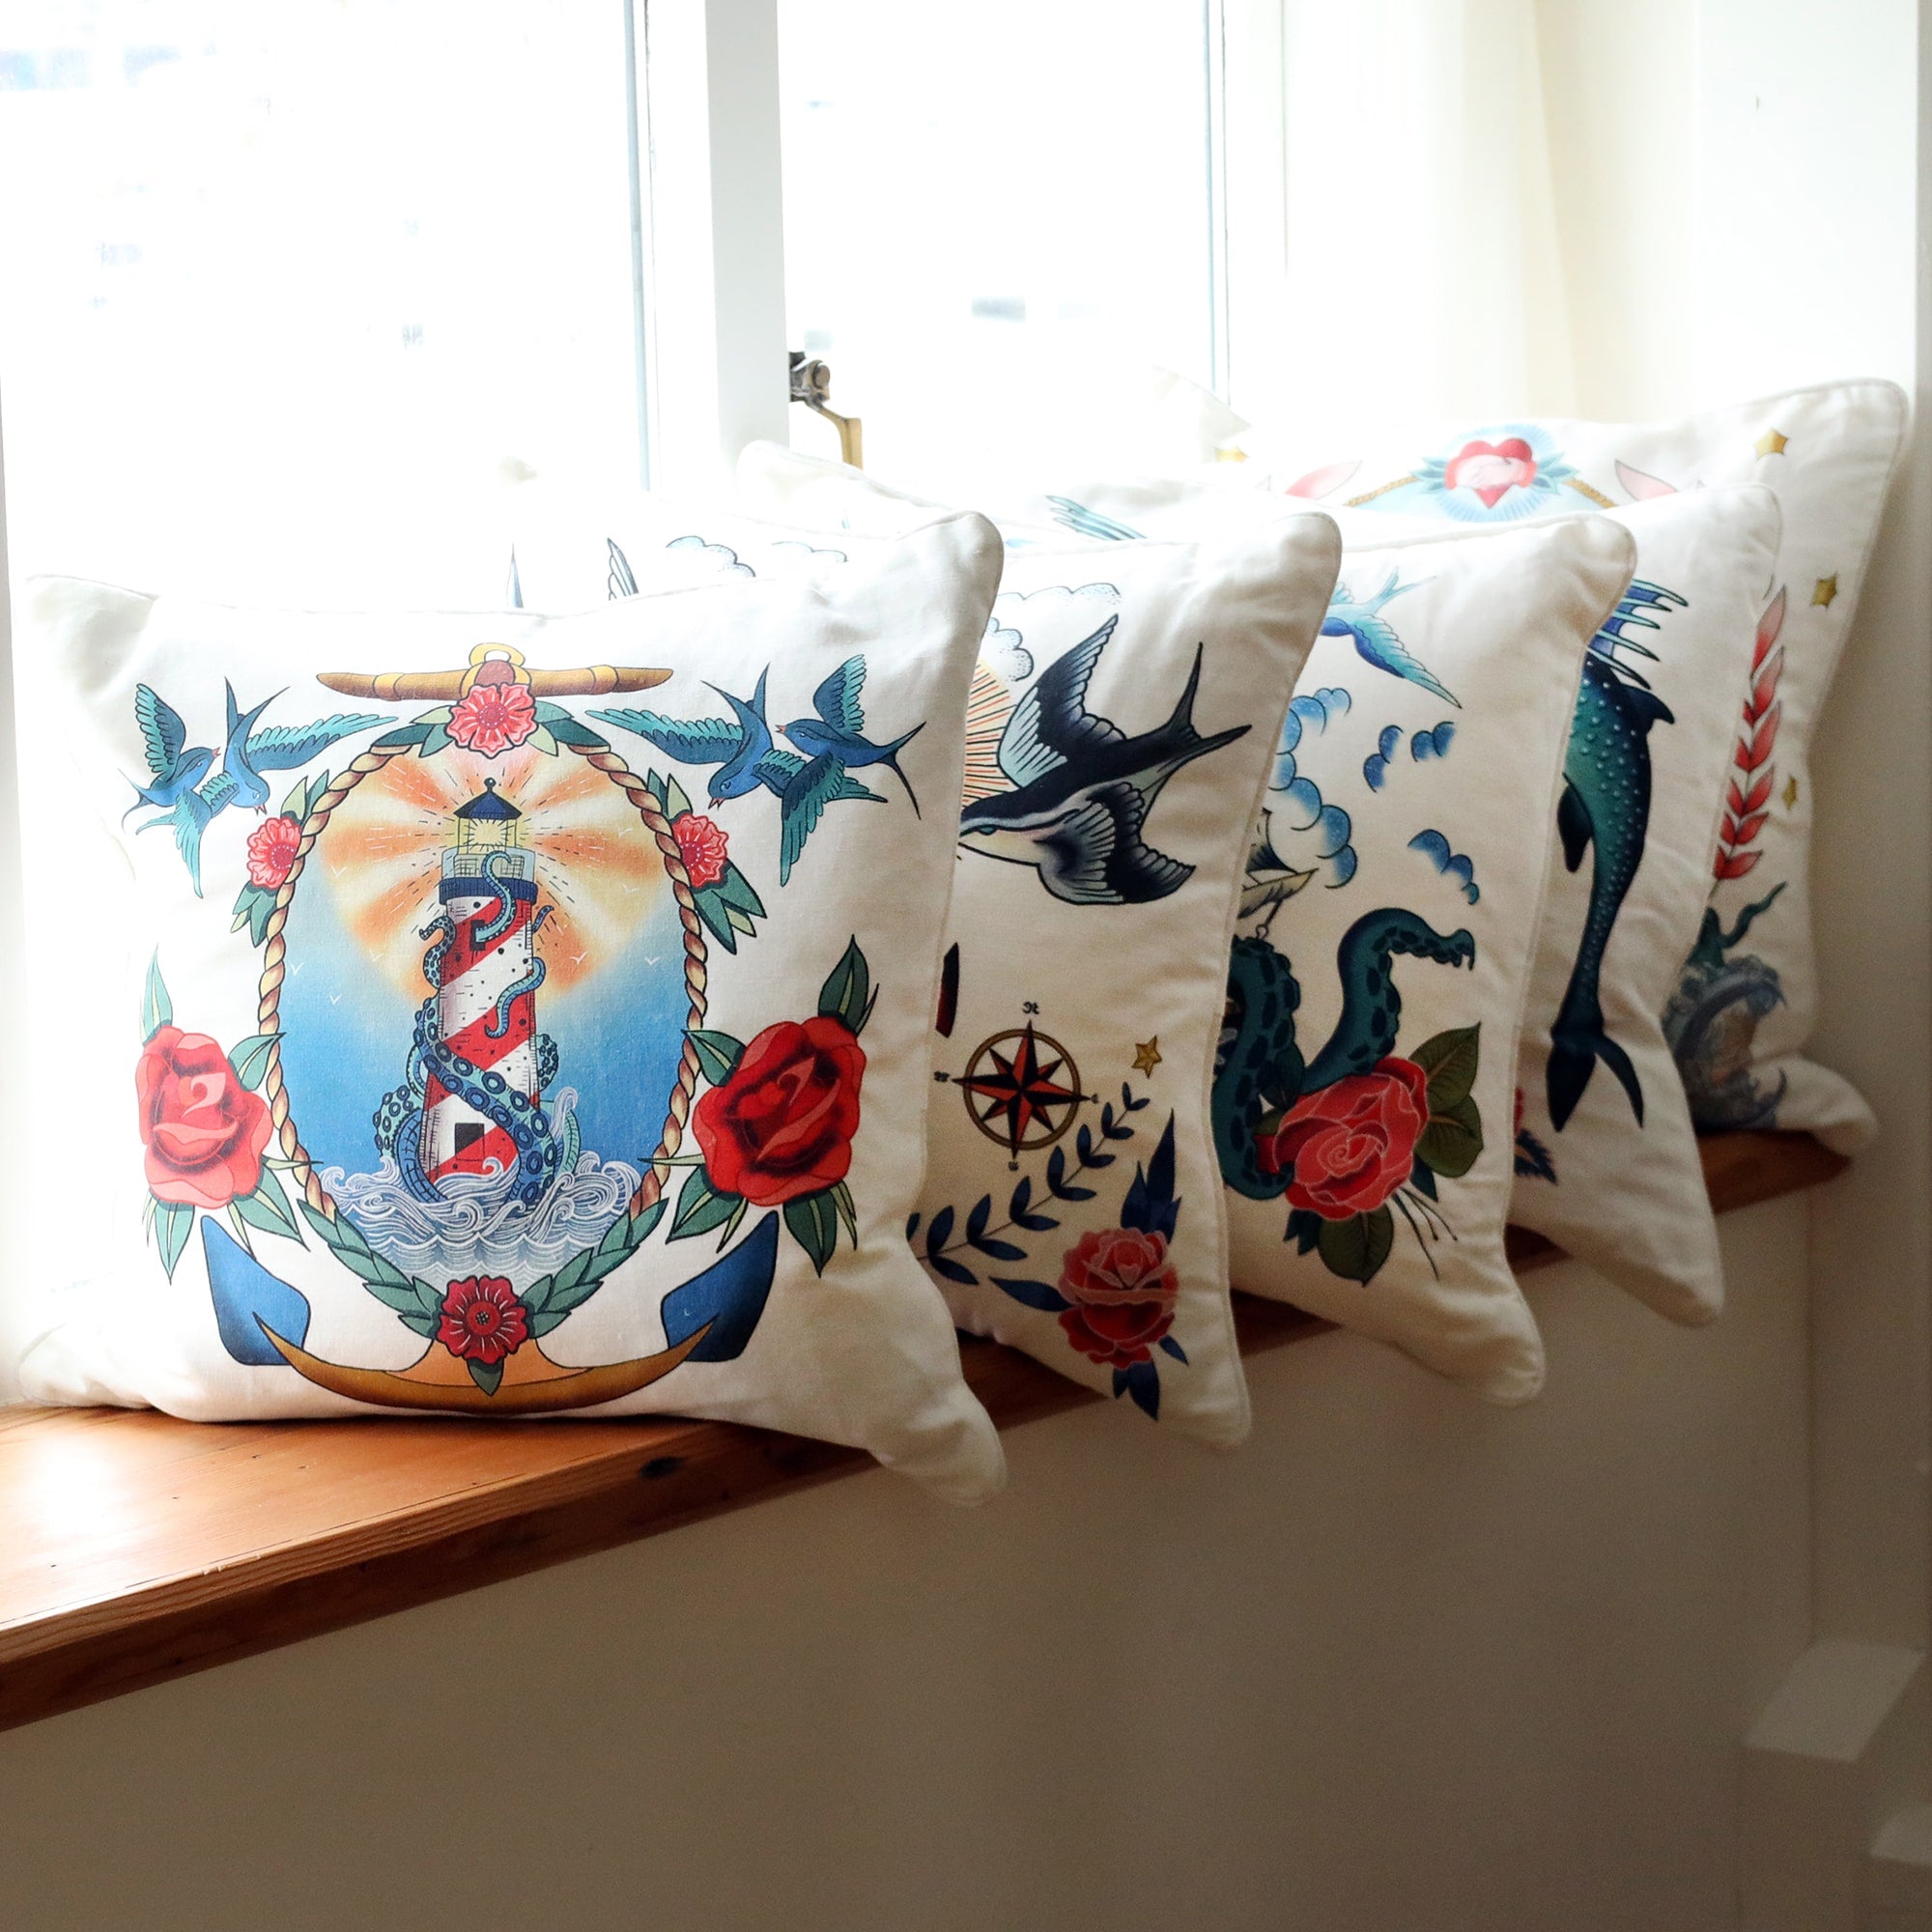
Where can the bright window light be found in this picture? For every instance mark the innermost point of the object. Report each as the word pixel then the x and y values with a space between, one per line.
pixel 985 202
pixel 279 271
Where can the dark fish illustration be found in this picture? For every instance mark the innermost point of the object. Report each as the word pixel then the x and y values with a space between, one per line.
pixel 1606 804
pixel 1082 788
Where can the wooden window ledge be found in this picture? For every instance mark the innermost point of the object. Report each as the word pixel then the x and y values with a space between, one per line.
pixel 136 1547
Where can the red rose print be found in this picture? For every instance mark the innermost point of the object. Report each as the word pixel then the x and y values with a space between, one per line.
pixel 1122 1292
pixel 272 851
pixel 781 1125
pixel 702 845
pixel 1352 1144
pixel 1491 469
pixel 204 1131
pixel 493 719
pixel 482 1320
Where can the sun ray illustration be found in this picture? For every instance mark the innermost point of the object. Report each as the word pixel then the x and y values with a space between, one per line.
pixel 384 847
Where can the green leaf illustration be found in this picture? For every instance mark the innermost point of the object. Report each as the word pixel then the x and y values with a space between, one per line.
pixel 846 994
pixel 1453 1139
pixel 718 1053
pixel 676 802
pixel 173 1219
pixel 1356 1248
pixel 273 1205
pixel 257 1214
pixel 157 1009
pixel 701 1207
pixel 731 1227
pixel 841 1199
pixel 1450 1060
pixel 401 1295
pixel 487 1376
pixel 253 905
pixel 250 1059
pixel 813 1222
pixel 435 739
pixel 542 741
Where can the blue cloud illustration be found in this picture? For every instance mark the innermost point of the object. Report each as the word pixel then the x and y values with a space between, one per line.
pixel 1374 767
pixel 720 557
pixel 1329 824
pixel 1432 744
pixel 1450 864
pixel 790 547
pixel 1005 652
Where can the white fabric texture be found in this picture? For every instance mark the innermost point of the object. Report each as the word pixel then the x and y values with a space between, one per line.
pixel 1122 726
pixel 1409 836
pixel 1618 1183
pixel 520 1067
pixel 1747 1002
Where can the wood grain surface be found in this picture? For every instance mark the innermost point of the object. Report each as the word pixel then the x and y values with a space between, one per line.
pixel 136 1547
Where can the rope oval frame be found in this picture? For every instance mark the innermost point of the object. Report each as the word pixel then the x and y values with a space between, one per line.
pixel 657 1171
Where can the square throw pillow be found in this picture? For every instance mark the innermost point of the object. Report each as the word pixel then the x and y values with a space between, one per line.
pixel 1366 1096
pixel 1747 997
pixel 1122 726
pixel 487 1058
pixel 1393 895
pixel 1607 1167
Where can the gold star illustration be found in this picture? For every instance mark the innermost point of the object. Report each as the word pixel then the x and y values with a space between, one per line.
pixel 1770 444
pixel 1790 793
pixel 1147 1055
pixel 1826 588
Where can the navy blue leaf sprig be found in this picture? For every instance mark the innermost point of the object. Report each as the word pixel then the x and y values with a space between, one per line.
pixel 941 1252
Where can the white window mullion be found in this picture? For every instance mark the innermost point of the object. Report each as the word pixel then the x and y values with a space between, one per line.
pixel 716 362
pixel 13 989
pixel 1251 215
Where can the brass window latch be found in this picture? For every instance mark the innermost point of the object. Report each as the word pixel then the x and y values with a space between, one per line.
pixel 811 385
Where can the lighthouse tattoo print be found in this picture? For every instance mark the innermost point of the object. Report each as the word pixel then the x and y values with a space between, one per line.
pixel 496 1075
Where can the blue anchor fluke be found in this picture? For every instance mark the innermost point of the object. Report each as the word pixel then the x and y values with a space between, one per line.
pixel 729 1294
pixel 247 1297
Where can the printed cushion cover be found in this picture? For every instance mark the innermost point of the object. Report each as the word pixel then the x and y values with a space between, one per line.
pixel 1747 997
pixel 1121 729
pixel 1364 1086
pixel 489 1057
pixel 1608 1167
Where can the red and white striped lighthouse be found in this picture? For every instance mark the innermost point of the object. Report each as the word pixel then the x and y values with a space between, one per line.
pixel 488 898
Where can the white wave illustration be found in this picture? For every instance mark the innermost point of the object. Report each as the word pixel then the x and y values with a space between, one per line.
pixel 477 1227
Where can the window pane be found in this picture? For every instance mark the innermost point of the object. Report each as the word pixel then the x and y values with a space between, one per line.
pixel 985 199
pixel 279 271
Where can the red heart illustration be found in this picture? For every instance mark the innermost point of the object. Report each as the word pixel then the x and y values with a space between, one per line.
pixel 1491 469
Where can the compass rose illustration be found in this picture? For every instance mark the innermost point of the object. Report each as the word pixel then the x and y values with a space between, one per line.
pixel 1022 1089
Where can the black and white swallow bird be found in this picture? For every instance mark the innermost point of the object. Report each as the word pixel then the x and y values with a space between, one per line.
pixel 1083 788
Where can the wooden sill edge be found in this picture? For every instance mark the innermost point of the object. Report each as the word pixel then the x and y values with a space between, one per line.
pixel 136 1547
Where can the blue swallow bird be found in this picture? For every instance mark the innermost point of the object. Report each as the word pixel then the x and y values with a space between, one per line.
pixel 174 766
pixel 837 732
pixel 1083 788
pixel 739 746
pixel 245 755
pixel 1375 639
pixel 743 748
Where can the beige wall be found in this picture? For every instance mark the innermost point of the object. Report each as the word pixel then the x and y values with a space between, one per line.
pixel 1408 1665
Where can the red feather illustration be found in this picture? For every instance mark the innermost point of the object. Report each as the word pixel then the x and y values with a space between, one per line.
pixel 1324 482
pixel 1747 797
